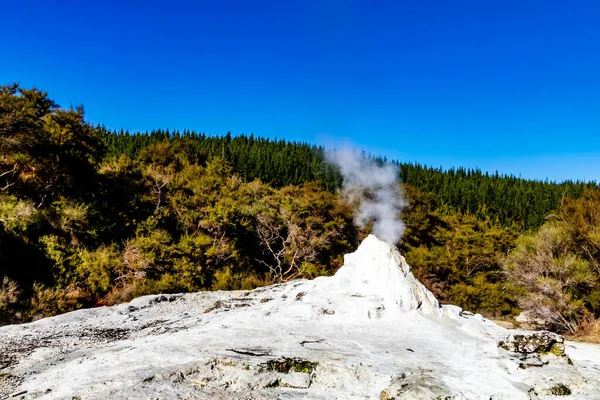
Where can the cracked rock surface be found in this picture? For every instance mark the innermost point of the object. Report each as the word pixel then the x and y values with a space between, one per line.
pixel 372 331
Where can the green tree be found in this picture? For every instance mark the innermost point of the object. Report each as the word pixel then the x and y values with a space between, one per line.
pixel 558 266
pixel 45 151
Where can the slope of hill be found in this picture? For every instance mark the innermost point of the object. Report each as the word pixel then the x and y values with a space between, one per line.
pixel 507 199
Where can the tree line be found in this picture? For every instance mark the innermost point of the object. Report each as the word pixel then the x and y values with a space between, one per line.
pixel 505 198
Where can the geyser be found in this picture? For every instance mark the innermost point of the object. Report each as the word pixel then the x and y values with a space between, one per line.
pixel 375 190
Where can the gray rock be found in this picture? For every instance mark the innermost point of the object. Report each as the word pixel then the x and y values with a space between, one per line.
pixel 542 342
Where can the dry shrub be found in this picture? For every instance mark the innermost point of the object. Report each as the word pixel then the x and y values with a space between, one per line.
pixel 590 329
pixel 554 278
pixel 131 282
pixel 252 282
pixel 9 296
pixel 9 292
pixel 47 302
pixel 135 260
pixel 125 293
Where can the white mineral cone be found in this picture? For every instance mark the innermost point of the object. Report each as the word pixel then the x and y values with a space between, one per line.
pixel 377 268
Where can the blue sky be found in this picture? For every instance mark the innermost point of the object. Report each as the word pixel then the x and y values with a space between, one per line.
pixel 512 86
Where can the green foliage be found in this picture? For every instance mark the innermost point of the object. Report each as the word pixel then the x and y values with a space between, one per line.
pixel 98 270
pixel 458 256
pixel 45 151
pixel 286 365
pixel 91 217
pixel 58 253
pixel 16 215
pixel 507 200
pixel 558 266
pixel 48 301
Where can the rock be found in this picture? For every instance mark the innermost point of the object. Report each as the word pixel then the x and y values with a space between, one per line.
pixel 560 390
pixel 529 322
pixel 372 331
pixel 542 342
pixel 534 346
pixel 295 380
pixel 378 269
pixel 416 386
pixel 478 317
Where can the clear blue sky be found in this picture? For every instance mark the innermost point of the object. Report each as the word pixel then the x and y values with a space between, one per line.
pixel 512 86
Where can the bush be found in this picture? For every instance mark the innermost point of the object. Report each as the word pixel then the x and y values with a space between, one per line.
pixel 556 280
pixel 47 301
pixel 9 295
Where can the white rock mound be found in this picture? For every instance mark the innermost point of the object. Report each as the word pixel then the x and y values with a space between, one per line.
pixel 372 331
pixel 378 269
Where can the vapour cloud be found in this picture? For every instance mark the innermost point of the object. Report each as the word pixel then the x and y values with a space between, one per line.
pixel 375 190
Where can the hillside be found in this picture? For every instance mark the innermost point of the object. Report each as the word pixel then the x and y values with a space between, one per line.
pixel 505 198
pixel 90 217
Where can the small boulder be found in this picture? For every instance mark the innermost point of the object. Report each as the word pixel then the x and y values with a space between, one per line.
pixel 542 342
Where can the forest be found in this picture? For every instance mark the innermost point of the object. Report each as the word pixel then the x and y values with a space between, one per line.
pixel 90 216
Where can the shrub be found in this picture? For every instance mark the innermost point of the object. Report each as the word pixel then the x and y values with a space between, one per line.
pixel 47 301
pixel 9 296
pixel 555 279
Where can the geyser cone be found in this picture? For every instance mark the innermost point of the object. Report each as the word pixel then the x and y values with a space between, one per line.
pixel 376 268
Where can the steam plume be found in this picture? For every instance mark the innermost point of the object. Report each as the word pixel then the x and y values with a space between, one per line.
pixel 375 190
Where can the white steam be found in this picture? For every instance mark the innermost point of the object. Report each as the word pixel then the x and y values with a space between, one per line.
pixel 375 190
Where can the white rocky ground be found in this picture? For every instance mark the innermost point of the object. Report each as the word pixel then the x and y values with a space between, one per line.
pixel 370 332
